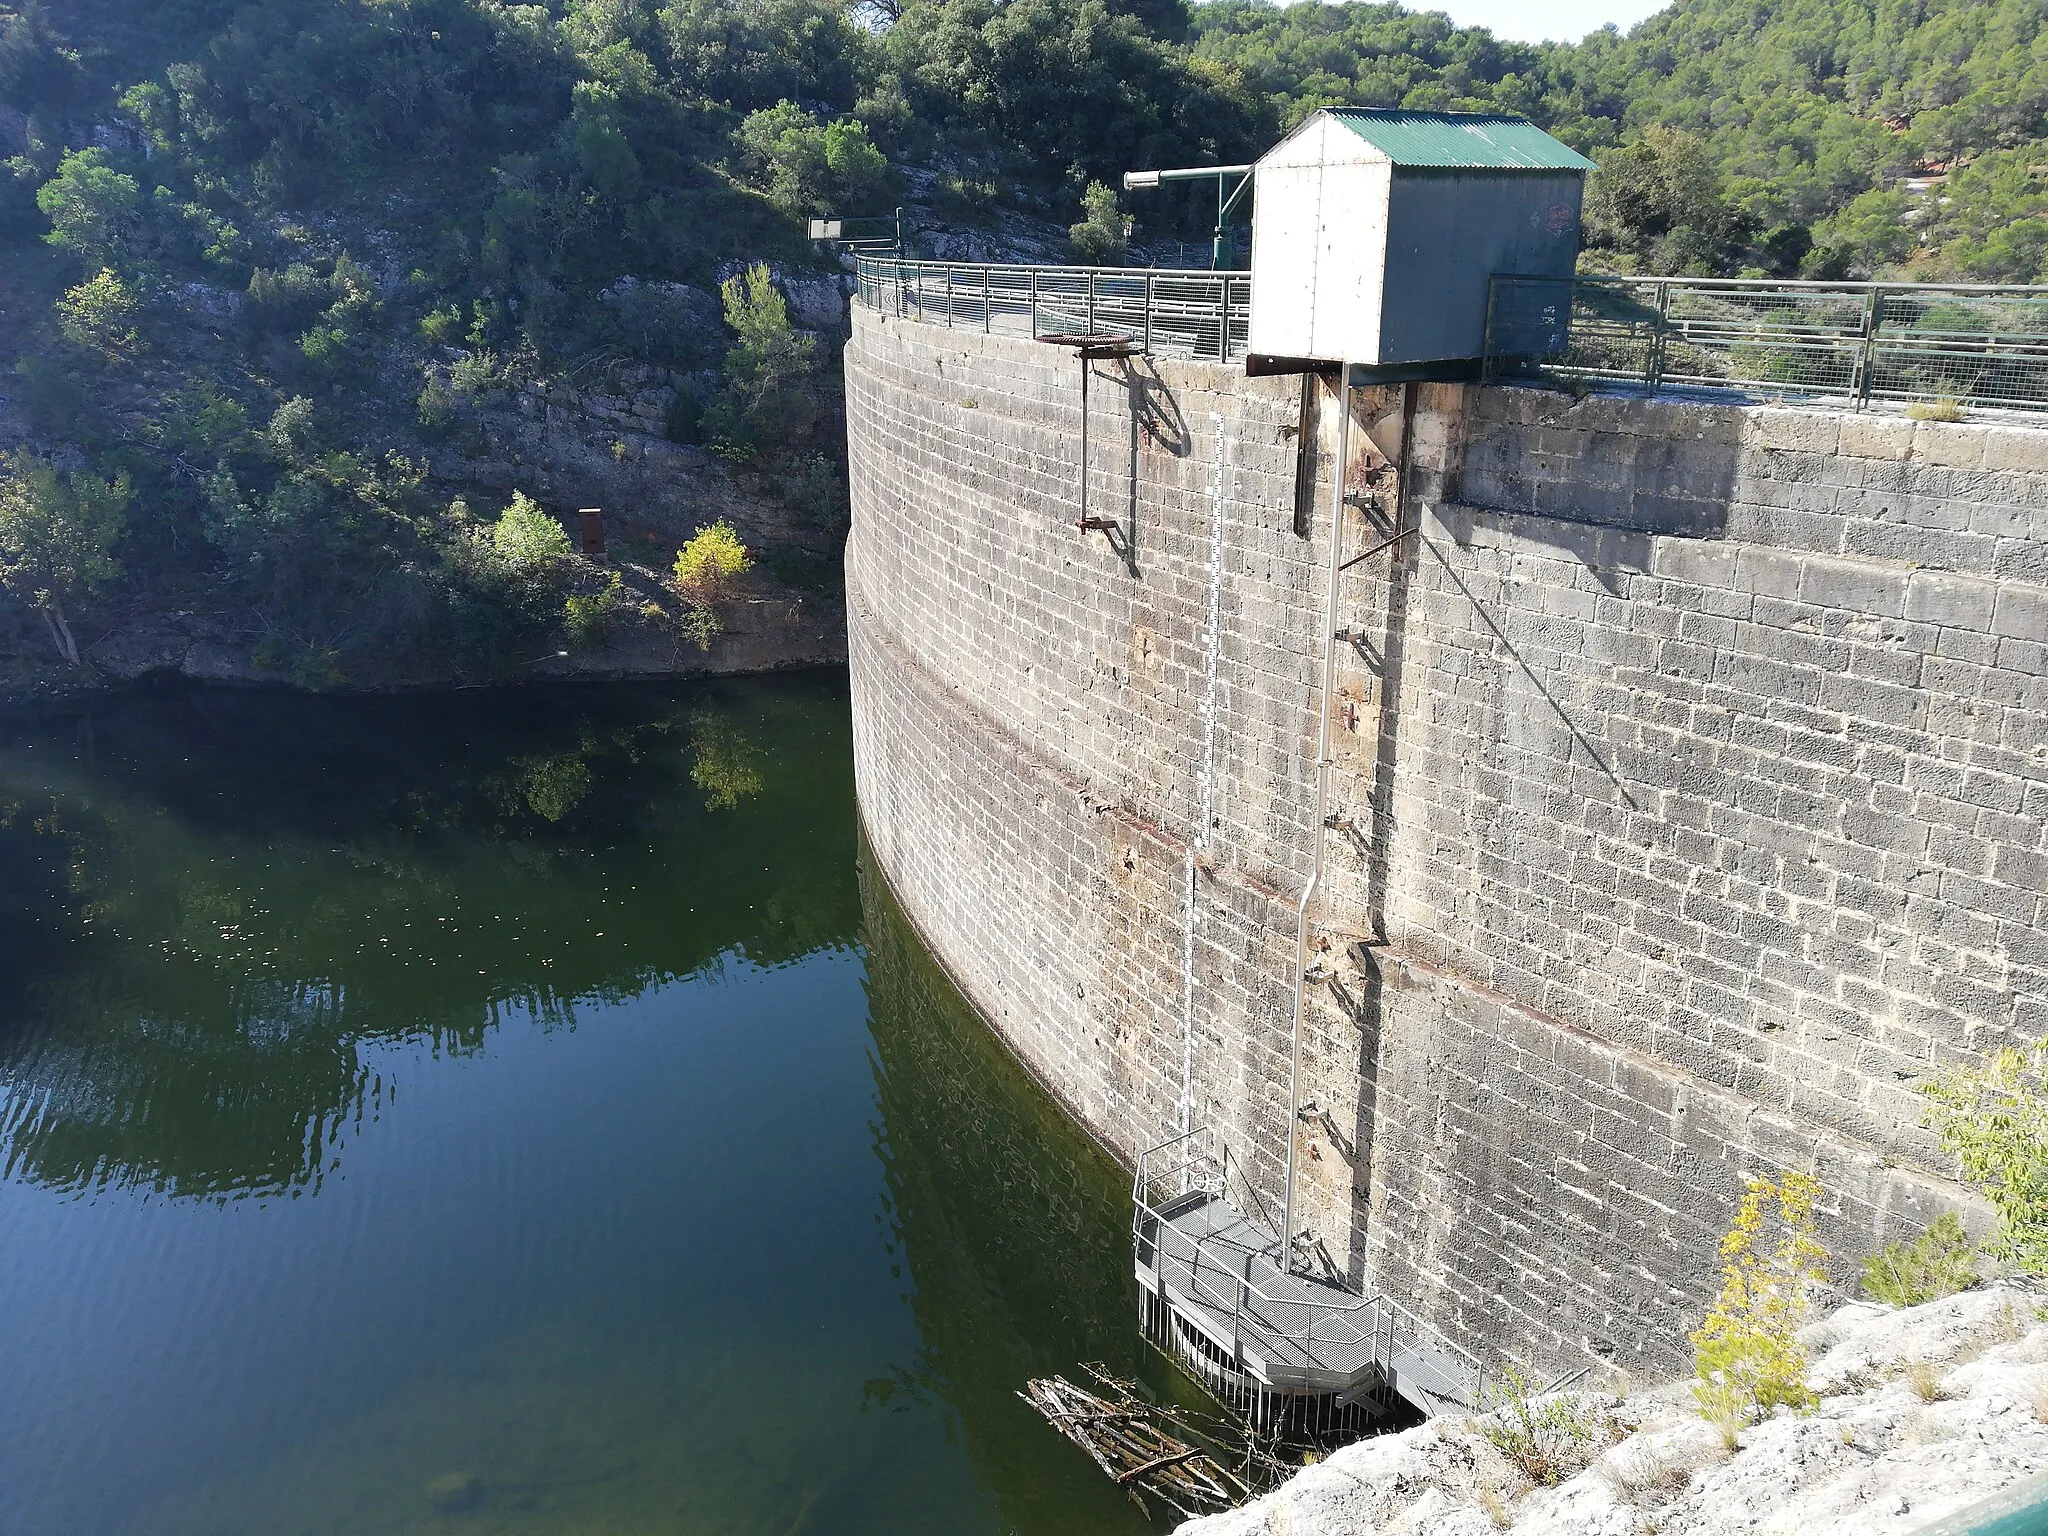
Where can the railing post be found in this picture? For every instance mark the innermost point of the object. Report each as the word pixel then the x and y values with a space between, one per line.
pixel 1034 303
pixel 1148 314
pixel 987 325
pixel 919 275
pixel 1653 366
pixel 1223 356
pixel 1091 301
pixel 1866 355
pixel 949 298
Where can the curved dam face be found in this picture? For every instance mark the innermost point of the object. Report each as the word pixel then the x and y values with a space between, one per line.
pixel 1686 796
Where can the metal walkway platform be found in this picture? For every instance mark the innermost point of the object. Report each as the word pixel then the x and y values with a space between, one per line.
pixel 1248 1326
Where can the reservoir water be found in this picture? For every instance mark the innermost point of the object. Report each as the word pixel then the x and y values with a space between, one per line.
pixel 512 1112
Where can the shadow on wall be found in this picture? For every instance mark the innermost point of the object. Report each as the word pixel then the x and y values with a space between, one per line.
pixel 1654 468
pixel 1156 425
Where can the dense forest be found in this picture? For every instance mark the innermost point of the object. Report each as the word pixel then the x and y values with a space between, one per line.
pixel 287 289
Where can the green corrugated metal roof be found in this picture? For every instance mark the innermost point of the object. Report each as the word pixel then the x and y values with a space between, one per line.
pixel 1460 140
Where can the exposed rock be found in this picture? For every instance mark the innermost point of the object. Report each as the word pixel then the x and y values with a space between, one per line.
pixel 1924 1411
pixel 208 304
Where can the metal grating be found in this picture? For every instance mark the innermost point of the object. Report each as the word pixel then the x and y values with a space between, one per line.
pixel 1863 343
pixel 1272 1342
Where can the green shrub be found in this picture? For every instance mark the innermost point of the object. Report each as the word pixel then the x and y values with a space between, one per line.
pixel 705 570
pixel 58 533
pixel 770 394
pixel 527 539
pixel 437 406
pixel 286 301
pixel 1100 237
pixel 444 327
pixel 587 618
pixel 709 563
pixel 100 314
pixel 93 209
pixel 475 374
pixel 325 348
pixel 1937 1263
pixel 1546 1442
pixel 1994 1118
pixel 808 168
pixel 1748 1357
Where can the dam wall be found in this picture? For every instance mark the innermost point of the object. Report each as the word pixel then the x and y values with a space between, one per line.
pixel 1687 795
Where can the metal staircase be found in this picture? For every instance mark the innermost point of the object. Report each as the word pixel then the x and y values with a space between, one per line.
pixel 1265 1336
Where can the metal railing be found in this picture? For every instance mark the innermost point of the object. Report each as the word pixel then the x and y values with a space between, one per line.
pixel 1170 313
pixel 1866 344
pixel 1198 1164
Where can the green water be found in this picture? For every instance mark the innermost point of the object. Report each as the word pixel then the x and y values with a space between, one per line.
pixel 512 1113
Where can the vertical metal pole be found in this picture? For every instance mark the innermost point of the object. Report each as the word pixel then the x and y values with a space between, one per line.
pixel 949 298
pixel 1091 301
pixel 1034 303
pixel 919 277
pixel 1216 241
pixel 1223 333
pixel 987 325
pixel 1338 476
pixel 1148 314
pixel 1084 440
pixel 1653 367
pixel 1866 361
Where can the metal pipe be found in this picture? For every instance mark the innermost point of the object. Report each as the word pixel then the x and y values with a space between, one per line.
pixel 1135 181
pixel 1338 477
pixel 1086 370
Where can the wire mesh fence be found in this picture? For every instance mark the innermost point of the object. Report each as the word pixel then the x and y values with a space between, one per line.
pixel 1864 343
pixel 1170 313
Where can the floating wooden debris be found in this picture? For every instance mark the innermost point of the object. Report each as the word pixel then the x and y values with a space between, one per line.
pixel 1122 1434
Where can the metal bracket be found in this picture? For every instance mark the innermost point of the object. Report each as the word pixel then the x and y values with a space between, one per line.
pixel 1098 525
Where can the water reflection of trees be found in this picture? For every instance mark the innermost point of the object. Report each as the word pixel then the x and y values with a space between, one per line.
pixel 1015 1229
pixel 208 901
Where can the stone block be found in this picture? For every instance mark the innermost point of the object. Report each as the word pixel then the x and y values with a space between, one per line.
pixel 2022 612
pixel 1959 601
pixel 2022 449
pixel 1954 444
pixel 1858 587
pixel 1876 437
pixel 1816 432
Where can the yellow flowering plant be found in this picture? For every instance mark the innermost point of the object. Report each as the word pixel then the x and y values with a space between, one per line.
pixel 1746 1349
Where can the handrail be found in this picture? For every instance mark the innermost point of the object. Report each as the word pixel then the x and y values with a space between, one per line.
pixel 1977 345
pixel 1193 1162
pixel 907 263
pixel 1169 312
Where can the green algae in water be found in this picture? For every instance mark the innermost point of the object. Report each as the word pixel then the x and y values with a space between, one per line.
pixel 516 1113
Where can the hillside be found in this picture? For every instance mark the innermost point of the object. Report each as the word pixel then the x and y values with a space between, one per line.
pixel 1734 135
pixel 295 296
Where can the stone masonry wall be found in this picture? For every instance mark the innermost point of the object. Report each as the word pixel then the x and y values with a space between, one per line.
pixel 1689 775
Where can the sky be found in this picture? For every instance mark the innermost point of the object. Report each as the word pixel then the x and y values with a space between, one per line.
pixel 1535 21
